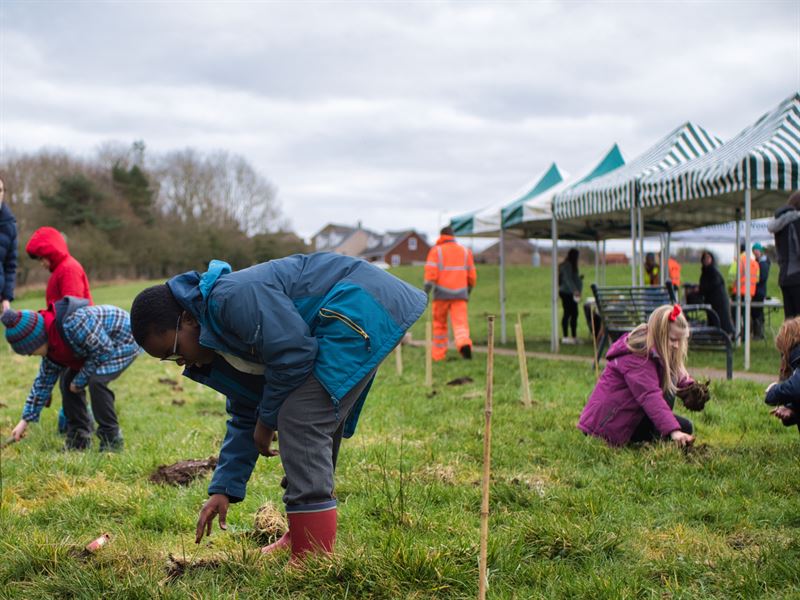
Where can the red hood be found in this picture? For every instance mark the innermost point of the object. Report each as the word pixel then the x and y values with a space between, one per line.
pixel 47 242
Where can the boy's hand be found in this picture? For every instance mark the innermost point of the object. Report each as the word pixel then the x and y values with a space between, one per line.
pixel 74 388
pixel 19 431
pixel 217 504
pixel 263 438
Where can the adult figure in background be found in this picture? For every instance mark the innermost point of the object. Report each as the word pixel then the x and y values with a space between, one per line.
pixel 757 312
pixel 785 226
pixel 652 269
pixel 450 274
pixel 8 251
pixel 570 285
pixel 674 270
pixel 712 287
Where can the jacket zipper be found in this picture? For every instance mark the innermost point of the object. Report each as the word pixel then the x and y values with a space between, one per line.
pixel 332 314
pixel 610 416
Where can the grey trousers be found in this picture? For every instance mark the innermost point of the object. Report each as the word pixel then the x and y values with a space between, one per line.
pixel 309 434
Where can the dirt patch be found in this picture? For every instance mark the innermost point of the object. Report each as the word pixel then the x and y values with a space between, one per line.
pixel 167 381
pixel 177 567
pixel 3 405
pixel 211 413
pixel 183 472
pixel 178 401
pixel 460 380
pixel 700 452
pixel 269 524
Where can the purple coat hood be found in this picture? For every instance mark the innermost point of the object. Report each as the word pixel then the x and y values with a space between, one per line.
pixel 628 389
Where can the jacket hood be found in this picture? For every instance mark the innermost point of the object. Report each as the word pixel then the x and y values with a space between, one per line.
pixel 47 242
pixel 783 217
pixel 618 348
pixel 443 239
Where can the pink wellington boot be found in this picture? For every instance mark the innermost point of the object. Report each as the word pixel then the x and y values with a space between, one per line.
pixel 313 528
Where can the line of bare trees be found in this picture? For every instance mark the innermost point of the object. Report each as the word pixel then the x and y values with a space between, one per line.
pixel 132 215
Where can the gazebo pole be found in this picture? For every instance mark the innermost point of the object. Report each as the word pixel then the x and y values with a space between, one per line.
pixel 662 261
pixel 597 262
pixel 633 242
pixel 502 286
pixel 554 295
pixel 736 282
pixel 605 262
pixel 641 243
pixel 747 269
pixel 667 252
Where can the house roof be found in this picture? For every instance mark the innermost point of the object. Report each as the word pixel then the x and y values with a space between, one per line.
pixel 332 235
pixel 381 244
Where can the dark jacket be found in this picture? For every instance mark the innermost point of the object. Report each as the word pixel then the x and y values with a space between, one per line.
pixel 67 277
pixel 785 226
pixel 8 253
pixel 787 392
pixel 569 280
pixel 763 276
pixel 712 286
pixel 331 315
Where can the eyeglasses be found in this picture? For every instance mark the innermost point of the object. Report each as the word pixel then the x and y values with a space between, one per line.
pixel 175 356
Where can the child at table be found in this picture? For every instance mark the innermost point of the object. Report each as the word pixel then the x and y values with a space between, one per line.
pixel 633 400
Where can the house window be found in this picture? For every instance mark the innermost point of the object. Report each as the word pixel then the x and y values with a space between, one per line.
pixel 395 260
pixel 412 243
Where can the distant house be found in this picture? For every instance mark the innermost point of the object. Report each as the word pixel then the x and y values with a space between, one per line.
pixel 343 239
pixel 517 251
pixel 397 248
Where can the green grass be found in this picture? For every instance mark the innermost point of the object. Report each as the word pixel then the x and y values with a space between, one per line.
pixel 570 518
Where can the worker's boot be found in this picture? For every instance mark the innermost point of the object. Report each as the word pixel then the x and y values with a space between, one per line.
pixel 466 351
pixel 313 529
pixel 758 329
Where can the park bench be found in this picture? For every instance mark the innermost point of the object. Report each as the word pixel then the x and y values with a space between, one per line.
pixel 623 308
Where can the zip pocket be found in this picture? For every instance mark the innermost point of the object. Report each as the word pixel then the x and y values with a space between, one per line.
pixel 327 313
pixel 612 413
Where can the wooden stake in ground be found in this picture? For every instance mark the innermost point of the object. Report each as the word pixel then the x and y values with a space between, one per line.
pixel 594 345
pixel 487 456
pixel 398 358
pixel 429 353
pixel 523 363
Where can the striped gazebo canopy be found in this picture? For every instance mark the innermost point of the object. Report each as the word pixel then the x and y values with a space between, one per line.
pixel 764 157
pixel 534 205
pixel 613 194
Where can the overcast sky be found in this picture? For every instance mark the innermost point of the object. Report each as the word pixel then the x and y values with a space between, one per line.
pixel 397 114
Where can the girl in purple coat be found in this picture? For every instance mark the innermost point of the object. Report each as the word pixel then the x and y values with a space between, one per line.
pixel 633 400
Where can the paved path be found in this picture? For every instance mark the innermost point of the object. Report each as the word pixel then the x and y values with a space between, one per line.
pixel 708 372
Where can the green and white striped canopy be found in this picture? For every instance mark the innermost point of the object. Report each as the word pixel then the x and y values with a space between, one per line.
pixel 764 157
pixel 615 191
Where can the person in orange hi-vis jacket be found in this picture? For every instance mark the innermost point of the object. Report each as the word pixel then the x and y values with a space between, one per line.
pixel 450 274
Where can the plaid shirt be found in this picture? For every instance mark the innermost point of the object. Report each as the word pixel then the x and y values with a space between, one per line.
pixel 100 334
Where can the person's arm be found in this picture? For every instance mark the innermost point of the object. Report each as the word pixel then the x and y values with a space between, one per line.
pixel 41 390
pixel 784 392
pixel 431 269
pixel 71 282
pixel 10 269
pixel 641 378
pixel 237 455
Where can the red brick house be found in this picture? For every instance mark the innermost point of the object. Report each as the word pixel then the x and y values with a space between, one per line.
pixel 397 248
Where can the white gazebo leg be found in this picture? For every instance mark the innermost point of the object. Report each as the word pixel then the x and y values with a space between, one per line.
pixel 502 287
pixel 554 295
pixel 747 275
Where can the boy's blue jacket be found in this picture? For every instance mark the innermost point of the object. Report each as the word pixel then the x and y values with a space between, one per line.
pixel 787 392
pixel 331 315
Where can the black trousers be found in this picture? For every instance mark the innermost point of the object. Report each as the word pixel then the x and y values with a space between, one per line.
pixel 791 301
pixel 79 424
pixel 647 432
pixel 570 313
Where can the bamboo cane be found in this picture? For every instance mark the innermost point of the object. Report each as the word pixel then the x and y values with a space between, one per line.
pixel 398 358
pixel 429 354
pixel 594 345
pixel 523 363
pixel 487 453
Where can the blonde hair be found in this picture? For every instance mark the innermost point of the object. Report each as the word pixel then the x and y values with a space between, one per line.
pixel 788 337
pixel 654 335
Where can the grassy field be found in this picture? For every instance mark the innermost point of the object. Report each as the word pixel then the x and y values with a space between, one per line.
pixel 570 518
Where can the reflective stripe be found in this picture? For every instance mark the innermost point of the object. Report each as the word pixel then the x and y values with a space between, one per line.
pixel 443 293
pixel 441 259
pixel 454 269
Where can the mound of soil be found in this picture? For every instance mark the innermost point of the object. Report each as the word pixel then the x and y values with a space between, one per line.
pixel 183 472
pixel 460 381
pixel 167 381
pixel 177 567
pixel 269 524
pixel 178 401
pixel 695 396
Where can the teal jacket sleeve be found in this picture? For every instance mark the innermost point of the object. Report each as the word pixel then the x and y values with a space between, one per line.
pixel 238 454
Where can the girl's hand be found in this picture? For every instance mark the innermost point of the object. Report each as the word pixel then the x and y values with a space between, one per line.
pixel 681 438
pixel 782 412
pixel 19 431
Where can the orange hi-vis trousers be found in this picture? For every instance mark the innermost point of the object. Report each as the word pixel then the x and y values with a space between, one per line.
pixel 458 317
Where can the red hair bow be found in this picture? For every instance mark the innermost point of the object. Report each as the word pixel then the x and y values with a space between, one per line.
pixel 676 310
